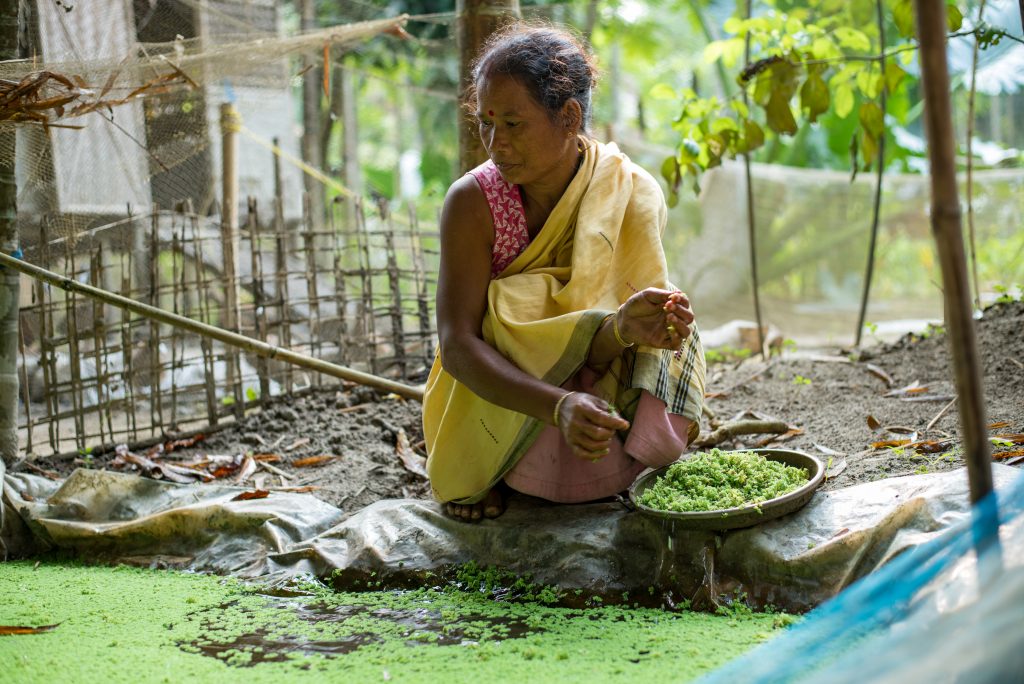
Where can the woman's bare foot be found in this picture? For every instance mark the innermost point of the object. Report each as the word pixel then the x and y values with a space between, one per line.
pixel 491 506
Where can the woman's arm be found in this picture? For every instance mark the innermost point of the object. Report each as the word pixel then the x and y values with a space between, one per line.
pixel 464 276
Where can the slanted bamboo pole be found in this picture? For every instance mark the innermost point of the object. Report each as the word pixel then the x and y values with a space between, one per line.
pixel 227 337
pixel 945 221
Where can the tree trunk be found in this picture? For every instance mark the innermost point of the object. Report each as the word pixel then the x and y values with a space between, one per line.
pixel 945 221
pixel 311 90
pixel 9 294
pixel 477 19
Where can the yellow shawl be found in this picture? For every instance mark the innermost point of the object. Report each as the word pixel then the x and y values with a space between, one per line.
pixel 601 243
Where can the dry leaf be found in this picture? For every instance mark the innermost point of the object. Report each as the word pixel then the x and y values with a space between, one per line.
pixel 1016 439
pixel 913 388
pixel 890 443
pixel 13 629
pixel 246 471
pixel 267 458
pixel 1008 454
pixel 880 374
pixel 255 494
pixel 413 462
pixel 828 452
pixel 837 466
pixel 873 422
pixel 929 446
pixel 225 470
pixel 841 532
pixel 997 426
pixel 310 461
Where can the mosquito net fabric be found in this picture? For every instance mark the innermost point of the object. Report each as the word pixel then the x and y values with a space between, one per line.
pixel 946 611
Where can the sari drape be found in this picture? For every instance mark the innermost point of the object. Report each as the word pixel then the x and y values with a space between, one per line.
pixel 600 245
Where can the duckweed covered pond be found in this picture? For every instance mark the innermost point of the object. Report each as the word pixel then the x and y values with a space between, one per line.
pixel 131 625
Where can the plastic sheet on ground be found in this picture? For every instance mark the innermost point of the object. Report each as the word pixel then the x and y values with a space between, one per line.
pixel 603 549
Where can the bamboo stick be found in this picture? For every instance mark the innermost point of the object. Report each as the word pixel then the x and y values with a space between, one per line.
pixel 945 222
pixel 127 342
pixel 156 400
pixel 47 354
pixel 877 204
pixel 213 332
pixel 102 394
pixel 397 337
pixel 420 274
pixel 71 325
pixel 366 270
pixel 230 122
pixel 258 295
pixel 751 225
pixel 312 296
pixel 204 312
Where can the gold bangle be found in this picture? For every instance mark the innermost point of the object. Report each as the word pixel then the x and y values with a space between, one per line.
pixel 615 331
pixel 558 406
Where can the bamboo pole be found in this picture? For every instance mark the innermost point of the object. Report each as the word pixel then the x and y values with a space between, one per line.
pixel 877 204
pixel 230 122
pixel 9 282
pixel 751 225
pixel 971 96
pixel 945 221
pixel 234 339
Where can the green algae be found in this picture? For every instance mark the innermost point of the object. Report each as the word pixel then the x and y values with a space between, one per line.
pixel 131 625
pixel 717 480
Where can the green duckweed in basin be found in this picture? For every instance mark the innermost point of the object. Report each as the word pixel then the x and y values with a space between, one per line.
pixel 716 480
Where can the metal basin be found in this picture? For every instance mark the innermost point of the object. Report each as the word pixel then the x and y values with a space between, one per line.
pixel 744 516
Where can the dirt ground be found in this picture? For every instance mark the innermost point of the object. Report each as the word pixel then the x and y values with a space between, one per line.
pixel 838 404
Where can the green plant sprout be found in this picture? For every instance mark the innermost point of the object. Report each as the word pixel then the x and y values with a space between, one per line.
pixel 801 380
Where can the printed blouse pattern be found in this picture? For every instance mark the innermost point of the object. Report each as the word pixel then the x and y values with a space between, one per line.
pixel 506 204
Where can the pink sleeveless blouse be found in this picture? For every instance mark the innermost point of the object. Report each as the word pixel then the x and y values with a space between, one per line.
pixel 511 236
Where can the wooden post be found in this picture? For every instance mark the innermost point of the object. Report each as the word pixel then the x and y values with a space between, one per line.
pixel 945 221
pixel 477 19
pixel 9 285
pixel 351 173
pixel 230 122
pixel 311 96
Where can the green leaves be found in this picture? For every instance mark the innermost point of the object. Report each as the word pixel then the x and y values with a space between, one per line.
pixel 872 122
pixel 814 96
pixel 780 116
pixel 903 17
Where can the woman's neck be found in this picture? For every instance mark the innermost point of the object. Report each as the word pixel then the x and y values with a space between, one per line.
pixel 540 198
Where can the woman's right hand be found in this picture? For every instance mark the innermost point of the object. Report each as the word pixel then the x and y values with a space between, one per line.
pixel 588 424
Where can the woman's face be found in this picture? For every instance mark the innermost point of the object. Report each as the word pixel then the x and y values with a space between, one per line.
pixel 518 134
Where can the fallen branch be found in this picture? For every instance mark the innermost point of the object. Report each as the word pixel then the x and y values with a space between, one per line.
pixel 742 427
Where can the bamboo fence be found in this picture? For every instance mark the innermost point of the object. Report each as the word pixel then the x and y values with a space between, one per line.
pixel 355 296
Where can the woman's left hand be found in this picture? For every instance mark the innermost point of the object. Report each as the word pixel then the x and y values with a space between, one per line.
pixel 655 318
